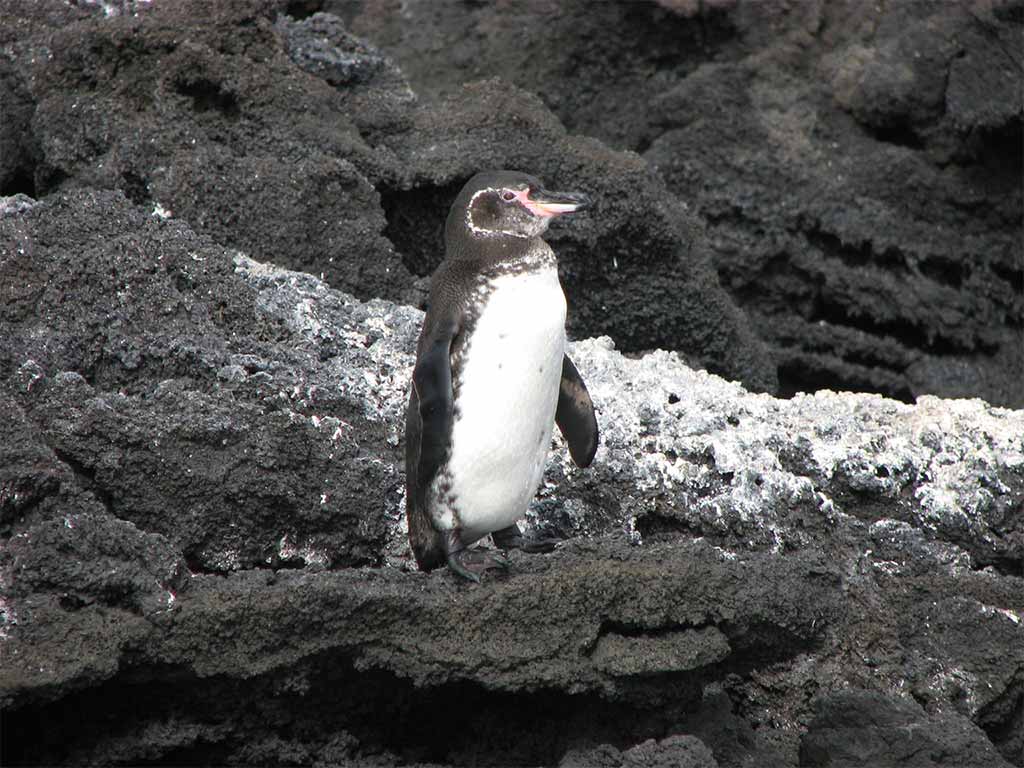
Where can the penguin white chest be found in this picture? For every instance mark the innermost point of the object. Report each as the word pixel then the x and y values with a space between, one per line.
pixel 505 404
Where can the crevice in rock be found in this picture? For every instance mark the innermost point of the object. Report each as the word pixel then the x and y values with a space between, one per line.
pixel 19 144
pixel 625 629
pixel 209 96
pixel 1003 720
pixel 809 373
pixel 799 374
pixel 21 182
pixel 663 29
pixel 48 179
pixel 897 132
pixel 903 332
pixel 980 560
pixel 135 188
pixel 858 351
pixel 303 9
pixel 760 644
pixel 198 565
pixel 945 271
pixel 999 149
pixel 415 223
pixel 32 492
pixel 856 256
pixel 87 477
pixel 320 711
pixel 1015 279
pixel 655 527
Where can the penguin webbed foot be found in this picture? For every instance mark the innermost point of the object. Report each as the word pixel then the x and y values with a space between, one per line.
pixel 473 563
pixel 512 538
pixel 470 563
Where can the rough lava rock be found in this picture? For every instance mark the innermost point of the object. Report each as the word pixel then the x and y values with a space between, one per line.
pixel 203 557
pixel 200 113
pixel 301 145
pixel 136 352
pixel 863 728
pixel 204 560
pixel 859 166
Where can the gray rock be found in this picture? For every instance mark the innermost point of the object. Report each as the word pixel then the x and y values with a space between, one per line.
pixel 135 371
pixel 209 121
pixel 301 145
pixel 202 547
pixel 859 174
pixel 855 728
pixel 674 752
pixel 220 539
pixel 855 224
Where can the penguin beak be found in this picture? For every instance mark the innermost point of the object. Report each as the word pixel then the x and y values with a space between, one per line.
pixel 546 204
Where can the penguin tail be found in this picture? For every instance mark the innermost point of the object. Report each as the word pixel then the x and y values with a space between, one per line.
pixel 429 554
pixel 426 541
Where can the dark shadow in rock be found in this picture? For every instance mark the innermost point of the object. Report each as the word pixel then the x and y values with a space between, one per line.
pixel 174 717
pixel 858 727
pixel 18 149
pixel 416 219
pixel 1003 721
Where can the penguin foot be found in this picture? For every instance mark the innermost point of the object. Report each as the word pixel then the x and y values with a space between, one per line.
pixel 473 563
pixel 512 538
pixel 469 563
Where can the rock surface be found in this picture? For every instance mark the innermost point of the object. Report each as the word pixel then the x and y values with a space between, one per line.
pixel 859 168
pixel 217 224
pixel 204 558
pixel 299 144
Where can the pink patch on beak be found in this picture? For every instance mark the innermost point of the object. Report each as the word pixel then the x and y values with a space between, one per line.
pixel 545 210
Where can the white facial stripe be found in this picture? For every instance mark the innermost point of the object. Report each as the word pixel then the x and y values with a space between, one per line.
pixel 490 232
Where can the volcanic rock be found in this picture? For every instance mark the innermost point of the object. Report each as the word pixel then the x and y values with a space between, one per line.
pixel 205 560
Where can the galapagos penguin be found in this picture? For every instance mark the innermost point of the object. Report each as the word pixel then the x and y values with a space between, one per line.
pixel 492 376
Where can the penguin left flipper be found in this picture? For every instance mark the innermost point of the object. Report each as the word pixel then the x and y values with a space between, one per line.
pixel 575 415
pixel 431 399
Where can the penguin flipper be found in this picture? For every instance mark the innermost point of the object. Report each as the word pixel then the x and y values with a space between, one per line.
pixel 428 427
pixel 575 415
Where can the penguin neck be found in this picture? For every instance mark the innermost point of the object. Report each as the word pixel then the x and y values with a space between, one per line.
pixel 497 250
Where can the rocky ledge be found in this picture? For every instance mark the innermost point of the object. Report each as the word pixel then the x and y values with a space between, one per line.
pixel 204 559
pixel 202 553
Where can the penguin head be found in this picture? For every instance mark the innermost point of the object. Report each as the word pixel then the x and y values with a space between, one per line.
pixel 502 205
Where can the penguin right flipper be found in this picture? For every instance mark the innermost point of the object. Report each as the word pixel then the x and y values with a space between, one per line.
pixel 575 415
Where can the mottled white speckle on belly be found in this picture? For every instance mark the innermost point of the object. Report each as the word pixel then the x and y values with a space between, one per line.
pixel 505 406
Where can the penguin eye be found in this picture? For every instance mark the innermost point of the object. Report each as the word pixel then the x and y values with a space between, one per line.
pixel 508 196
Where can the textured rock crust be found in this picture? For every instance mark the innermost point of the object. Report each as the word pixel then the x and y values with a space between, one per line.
pixel 215 224
pixel 301 145
pixel 204 559
pixel 859 166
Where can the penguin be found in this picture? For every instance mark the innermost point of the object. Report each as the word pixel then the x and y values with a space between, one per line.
pixel 492 376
